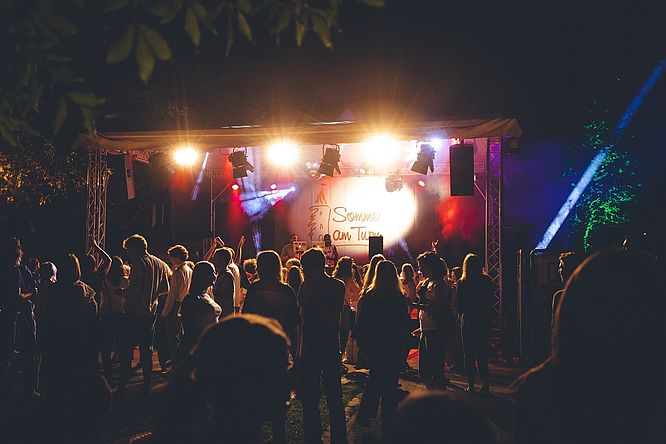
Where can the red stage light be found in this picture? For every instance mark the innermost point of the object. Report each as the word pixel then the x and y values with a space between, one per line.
pixel 235 187
pixel 421 183
pixel 273 186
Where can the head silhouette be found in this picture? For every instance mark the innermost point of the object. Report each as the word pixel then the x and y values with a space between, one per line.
pixel 434 417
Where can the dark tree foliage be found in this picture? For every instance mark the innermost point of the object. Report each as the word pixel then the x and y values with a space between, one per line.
pixel 46 44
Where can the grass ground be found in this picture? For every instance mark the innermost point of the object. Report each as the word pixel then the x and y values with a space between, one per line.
pixel 295 414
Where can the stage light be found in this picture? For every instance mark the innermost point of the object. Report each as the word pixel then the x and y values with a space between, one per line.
pixel 393 183
pixel 283 154
pixel 382 151
pixel 235 187
pixel 331 158
pixel 421 183
pixel 240 164
pixel 425 159
pixel 273 186
pixel 185 156
pixel 362 171
pixel 312 170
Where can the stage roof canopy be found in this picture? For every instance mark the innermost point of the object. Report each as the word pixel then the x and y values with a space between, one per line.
pixel 310 134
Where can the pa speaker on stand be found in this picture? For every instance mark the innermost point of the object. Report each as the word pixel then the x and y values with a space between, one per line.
pixel 461 156
pixel 375 245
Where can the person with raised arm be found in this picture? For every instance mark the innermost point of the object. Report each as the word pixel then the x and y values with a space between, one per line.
pixel 111 305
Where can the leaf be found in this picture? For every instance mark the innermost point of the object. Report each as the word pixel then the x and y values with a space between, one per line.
pixel 156 42
pixel 85 99
pixel 322 30
pixel 6 133
pixel 244 6
pixel 230 35
pixel 165 11
pixel 118 4
pixel 373 3
pixel 63 75
pixel 244 26
pixel 120 50
pixel 58 58
pixel 283 21
pixel 192 27
pixel 199 11
pixel 145 59
pixel 88 121
pixel 62 25
pixel 60 115
pixel 300 32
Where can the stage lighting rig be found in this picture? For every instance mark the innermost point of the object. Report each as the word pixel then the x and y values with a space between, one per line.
pixel 330 159
pixel 425 159
pixel 393 183
pixel 240 164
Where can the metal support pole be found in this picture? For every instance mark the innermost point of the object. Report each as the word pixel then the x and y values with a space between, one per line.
pixel 96 187
pixel 493 239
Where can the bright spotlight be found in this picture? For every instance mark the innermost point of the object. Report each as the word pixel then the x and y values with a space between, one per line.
pixel 240 164
pixel 283 154
pixel 273 186
pixel 425 160
pixel 185 156
pixel 421 183
pixel 382 151
pixel 362 171
pixel 235 187
pixel 436 143
pixel 331 158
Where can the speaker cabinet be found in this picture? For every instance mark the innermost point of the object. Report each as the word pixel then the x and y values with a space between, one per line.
pixel 375 245
pixel 462 169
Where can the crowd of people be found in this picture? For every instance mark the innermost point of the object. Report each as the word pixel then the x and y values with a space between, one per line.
pixel 240 338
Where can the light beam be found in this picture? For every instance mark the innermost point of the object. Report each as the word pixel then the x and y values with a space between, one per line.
pixel 598 159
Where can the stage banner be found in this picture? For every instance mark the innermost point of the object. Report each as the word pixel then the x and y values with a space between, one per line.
pixel 351 209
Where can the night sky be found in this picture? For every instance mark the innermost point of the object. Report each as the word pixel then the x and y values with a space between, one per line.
pixel 414 59
pixel 545 64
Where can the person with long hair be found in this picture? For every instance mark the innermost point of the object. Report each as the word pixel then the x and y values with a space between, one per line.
pixel 475 299
pixel 212 397
pixel 383 318
pixel 294 278
pixel 369 275
pixel 613 302
pixel 343 271
pixel 435 319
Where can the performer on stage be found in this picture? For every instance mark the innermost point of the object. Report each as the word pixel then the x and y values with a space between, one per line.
pixel 330 253
pixel 288 251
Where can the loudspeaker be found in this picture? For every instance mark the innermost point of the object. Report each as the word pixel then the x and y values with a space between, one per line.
pixel 375 245
pixel 129 176
pixel 462 169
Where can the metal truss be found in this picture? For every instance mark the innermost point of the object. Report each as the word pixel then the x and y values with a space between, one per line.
pixel 493 244
pixel 96 184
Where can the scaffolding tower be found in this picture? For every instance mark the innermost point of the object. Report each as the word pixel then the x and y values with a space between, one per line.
pixel 493 241
pixel 97 178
